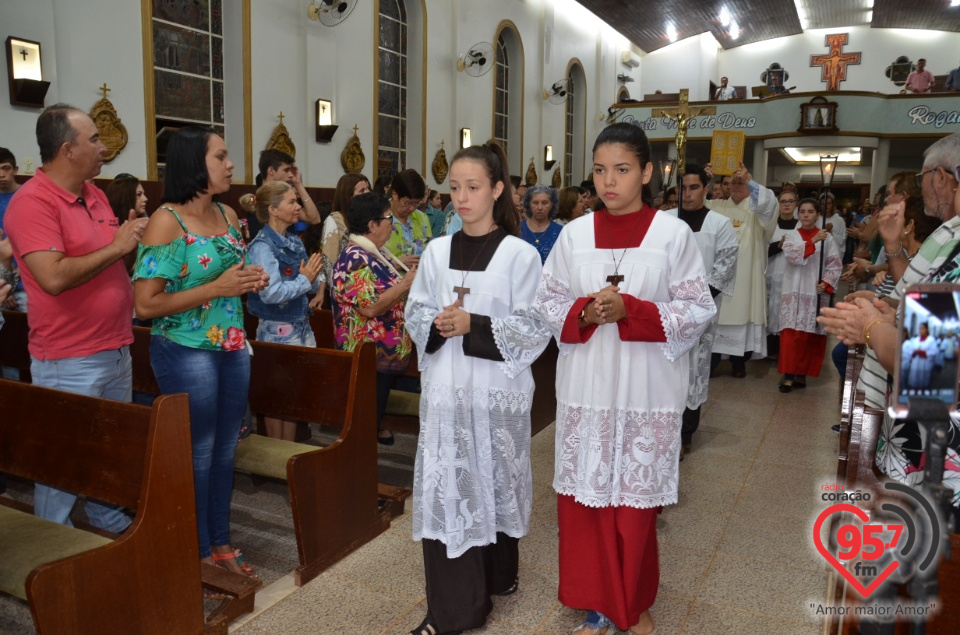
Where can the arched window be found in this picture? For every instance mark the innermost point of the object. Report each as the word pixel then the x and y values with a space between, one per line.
pixel 575 125
pixel 392 88
pixel 508 93
pixel 501 98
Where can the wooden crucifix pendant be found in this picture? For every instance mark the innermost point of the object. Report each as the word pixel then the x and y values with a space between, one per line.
pixel 461 291
pixel 615 279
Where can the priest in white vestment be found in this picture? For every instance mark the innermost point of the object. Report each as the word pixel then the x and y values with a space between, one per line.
pixel 742 330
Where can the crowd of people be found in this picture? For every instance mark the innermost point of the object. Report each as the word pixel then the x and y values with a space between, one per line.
pixel 647 295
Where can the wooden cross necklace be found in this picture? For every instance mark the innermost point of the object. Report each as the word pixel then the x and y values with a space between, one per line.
pixel 463 290
pixel 616 278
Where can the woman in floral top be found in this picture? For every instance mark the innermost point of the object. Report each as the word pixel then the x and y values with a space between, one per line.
pixel 369 294
pixel 189 277
pixel 411 227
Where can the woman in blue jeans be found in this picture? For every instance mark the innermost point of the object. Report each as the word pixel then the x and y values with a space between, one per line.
pixel 283 307
pixel 189 276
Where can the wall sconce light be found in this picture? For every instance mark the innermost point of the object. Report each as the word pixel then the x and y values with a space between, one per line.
pixel 548 160
pixel 325 127
pixel 25 73
pixel 465 137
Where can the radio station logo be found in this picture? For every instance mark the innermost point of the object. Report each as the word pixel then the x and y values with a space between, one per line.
pixel 867 548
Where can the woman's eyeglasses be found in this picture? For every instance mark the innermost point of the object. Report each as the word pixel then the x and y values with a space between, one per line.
pixel 387 217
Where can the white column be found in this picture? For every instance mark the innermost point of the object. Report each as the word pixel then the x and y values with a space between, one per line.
pixel 881 164
pixel 759 167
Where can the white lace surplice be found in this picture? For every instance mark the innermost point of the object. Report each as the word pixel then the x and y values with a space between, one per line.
pixel 619 403
pixel 472 475
pixel 719 246
pixel 775 267
pixel 798 298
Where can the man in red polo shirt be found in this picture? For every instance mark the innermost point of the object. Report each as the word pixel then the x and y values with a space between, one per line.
pixel 79 296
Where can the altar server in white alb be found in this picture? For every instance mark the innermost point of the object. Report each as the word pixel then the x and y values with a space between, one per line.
pixel 802 340
pixel 742 330
pixel 775 266
pixel 718 245
pixel 625 292
pixel 470 315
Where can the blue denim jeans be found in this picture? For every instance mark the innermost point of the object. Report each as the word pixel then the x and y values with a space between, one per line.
pixel 108 375
pixel 217 383
pixel 295 333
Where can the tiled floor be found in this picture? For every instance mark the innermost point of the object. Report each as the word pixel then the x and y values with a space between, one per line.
pixel 737 554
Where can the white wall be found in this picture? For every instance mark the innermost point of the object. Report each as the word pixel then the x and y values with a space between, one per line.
pixel 690 63
pixel 81 48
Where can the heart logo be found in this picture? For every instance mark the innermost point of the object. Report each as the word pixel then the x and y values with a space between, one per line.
pixel 829 557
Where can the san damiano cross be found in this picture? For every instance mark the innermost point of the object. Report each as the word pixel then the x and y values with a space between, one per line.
pixel 682 115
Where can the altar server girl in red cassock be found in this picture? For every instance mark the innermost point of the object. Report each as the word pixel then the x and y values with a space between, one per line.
pixel 802 340
pixel 625 292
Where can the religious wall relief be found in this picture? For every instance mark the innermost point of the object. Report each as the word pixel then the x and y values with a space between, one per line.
pixel 280 139
pixel 440 166
pixel 531 177
pixel 352 158
pixel 113 134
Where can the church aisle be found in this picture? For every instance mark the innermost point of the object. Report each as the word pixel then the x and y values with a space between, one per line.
pixel 736 553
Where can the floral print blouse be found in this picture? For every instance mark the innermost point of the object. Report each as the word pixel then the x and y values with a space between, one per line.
pixel 410 238
pixel 358 280
pixel 187 262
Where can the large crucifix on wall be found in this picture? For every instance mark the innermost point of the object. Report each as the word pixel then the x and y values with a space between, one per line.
pixel 682 115
pixel 833 65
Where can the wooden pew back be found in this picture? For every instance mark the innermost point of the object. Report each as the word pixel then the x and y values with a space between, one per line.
pixel 99 451
pixel 148 580
pixel 333 490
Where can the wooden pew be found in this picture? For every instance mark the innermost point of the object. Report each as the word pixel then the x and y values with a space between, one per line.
pixel 333 490
pixel 149 579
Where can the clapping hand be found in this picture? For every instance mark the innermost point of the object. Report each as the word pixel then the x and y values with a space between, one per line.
pixel 240 279
pixel 311 268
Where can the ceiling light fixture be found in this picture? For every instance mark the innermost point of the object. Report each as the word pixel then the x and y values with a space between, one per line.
pixel 671 32
pixel 734 31
pixel 811 156
pixel 801 14
pixel 724 16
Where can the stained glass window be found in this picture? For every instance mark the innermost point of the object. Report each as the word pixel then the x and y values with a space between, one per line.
pixel 568 139
pixel 188 66
pixel 501 102
pixel 392 88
